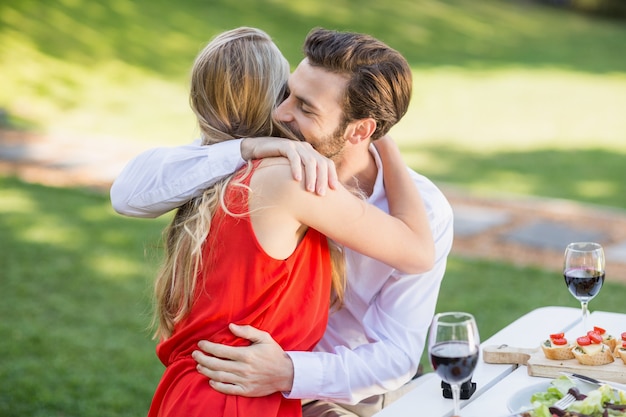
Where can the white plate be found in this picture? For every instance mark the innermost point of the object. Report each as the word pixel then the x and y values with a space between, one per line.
pixel 521 399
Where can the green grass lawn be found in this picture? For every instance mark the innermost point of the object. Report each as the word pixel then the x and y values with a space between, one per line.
pixel 508 97
pixel 75 286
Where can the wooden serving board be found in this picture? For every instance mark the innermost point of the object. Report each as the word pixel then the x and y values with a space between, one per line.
pixel 539 365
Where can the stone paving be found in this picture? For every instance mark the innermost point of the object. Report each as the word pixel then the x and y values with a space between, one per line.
pixel 525 231
pixel 535 231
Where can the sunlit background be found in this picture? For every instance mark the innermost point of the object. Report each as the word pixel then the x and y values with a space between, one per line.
pixel 510 96
pixel 491 77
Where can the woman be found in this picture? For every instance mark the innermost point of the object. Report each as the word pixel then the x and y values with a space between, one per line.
pixel 253 248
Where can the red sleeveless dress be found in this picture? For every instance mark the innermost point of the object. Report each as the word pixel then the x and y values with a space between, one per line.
pixel 241 284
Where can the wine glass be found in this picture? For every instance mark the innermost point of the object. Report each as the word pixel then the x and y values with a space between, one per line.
pixel 583 269
pixel 453 346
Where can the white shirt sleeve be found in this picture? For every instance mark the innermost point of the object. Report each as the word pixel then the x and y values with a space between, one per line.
pixel 398 322
pixel 162 179
pixel 376 346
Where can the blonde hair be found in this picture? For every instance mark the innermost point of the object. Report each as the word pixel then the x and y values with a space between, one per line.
pixel 237 81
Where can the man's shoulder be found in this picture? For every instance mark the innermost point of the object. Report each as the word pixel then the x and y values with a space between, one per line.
pixel 433 197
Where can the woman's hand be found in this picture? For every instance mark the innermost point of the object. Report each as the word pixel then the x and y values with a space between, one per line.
pixel 319 172
pixel 386 144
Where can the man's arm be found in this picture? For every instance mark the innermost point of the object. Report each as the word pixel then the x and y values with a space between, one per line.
pixel 386 360
pixel 162 179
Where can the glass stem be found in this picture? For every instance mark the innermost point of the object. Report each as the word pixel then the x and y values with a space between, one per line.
pixel 456 395
pixel 583 306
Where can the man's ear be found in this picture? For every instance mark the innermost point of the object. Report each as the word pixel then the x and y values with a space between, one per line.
pixel 361 130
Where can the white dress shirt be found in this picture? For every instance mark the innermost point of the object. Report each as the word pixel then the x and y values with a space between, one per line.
pixel 374 343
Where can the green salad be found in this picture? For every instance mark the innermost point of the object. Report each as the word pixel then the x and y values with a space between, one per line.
pixel 601 402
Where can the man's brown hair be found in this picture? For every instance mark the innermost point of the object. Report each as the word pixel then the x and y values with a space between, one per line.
pixel 379 77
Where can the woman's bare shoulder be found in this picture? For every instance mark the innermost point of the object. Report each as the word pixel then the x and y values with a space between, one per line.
pixel 273 175
pixel 273 161
pixel 276 168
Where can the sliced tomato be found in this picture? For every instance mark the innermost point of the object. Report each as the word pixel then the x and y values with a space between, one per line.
pixel 624 344
pixel 599 330
pixel 594 337
pixel 624 336
pixel 558 335
pixel 583 341
pixel 559 341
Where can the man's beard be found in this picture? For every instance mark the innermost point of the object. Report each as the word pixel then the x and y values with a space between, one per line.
pixel 331 146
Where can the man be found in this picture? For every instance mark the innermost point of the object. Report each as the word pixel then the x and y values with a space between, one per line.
pixel 373 344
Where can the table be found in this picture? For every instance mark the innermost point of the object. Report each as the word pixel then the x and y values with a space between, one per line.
pixel 497 383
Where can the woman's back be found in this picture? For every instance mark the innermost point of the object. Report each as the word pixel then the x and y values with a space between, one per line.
pixel 240 283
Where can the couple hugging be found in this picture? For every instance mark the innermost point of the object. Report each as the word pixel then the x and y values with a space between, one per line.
pixel 302 266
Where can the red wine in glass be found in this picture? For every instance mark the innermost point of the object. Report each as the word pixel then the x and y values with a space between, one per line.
pixel 454 361
pixel 583 270
pixel 453 348
pixel 583 283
